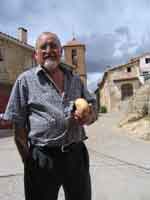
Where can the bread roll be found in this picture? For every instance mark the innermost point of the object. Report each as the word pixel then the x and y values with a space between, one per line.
pixel 82 107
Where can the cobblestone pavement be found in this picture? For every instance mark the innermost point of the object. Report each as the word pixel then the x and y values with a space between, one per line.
pixel 120 166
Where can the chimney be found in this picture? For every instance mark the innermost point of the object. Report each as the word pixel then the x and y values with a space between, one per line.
pixel 22 34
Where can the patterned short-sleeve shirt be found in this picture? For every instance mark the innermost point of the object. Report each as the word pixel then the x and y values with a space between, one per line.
pixel 36 104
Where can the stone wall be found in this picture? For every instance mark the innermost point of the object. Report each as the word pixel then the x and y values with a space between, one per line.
pixel 16 59
pixel 105 95
pixel 121 72
pixel 140 102
pixel 110 92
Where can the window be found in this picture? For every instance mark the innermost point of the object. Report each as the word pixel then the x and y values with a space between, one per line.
pixel 145 73
pixel 128 69
pixel 147 60
pixel 126 91
pixel 74 52
pixel 1 55
pixel 74 56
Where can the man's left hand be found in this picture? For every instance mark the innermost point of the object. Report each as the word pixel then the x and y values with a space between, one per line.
pixel 83 118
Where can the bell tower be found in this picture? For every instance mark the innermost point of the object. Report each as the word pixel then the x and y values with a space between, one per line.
pixel 74 55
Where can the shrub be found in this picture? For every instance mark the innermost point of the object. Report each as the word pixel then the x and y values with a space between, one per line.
pixel 103 109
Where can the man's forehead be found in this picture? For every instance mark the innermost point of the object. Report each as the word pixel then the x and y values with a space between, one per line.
pixel 44 37
pixel 50 36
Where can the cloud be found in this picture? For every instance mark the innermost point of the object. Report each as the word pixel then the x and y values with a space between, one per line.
pixel 93 79
pixel 10 10
pixel 112 32
pixel 99 50
pixel 103 50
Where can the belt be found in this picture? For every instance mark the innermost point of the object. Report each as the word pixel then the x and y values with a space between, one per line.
pixel 63 148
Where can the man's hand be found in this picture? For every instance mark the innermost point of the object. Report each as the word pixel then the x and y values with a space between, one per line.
pixel 84 113
pixel 23 150
pixel 80 119
pixel 21 142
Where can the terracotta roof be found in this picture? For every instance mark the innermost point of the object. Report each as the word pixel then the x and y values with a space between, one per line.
pixel 74 42
pixel 16 41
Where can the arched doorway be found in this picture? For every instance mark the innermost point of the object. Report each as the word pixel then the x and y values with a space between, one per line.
pixel 126 90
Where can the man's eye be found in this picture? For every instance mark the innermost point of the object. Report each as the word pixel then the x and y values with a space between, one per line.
pixel 54 46
pixel 43 47
pixel 47 45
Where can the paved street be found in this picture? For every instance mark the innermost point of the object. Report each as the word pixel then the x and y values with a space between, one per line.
pixel 120 166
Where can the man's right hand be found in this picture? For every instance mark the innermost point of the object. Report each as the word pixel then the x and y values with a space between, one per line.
pixel 22 149
pixel 22 143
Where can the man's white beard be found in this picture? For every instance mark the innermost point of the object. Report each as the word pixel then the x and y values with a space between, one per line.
pixel 50 65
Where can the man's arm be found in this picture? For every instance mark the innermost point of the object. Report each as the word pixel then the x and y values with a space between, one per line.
pixel 17 113
pixel 20 137
pixel 92 115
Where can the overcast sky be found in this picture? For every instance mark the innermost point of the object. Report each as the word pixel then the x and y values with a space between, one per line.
pixel 112 30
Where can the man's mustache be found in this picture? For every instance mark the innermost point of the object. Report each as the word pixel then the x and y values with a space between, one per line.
pixel 52 55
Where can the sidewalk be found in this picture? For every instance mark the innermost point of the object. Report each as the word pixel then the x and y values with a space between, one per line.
pixel 120 166
pixel 10 160
pixel 106 138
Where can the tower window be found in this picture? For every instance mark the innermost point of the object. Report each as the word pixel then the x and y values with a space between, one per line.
pixel 74 56
pixel 74 52
pixel 147 60
pixel 128 69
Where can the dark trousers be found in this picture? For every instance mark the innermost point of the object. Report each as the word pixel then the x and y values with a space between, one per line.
pixel 68 169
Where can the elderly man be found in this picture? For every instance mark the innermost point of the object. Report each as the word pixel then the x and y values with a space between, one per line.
pixel 49 131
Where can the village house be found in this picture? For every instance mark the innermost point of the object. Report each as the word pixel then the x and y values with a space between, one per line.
pixel 119 83
pixel 15 57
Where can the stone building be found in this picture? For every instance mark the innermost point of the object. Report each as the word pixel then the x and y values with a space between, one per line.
pixel 74 55
pixel 119 83
pixel 15 57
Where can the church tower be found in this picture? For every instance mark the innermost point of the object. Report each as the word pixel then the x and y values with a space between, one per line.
pixel 74 55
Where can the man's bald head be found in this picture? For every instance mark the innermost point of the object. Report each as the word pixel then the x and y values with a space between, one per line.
pixel 49 34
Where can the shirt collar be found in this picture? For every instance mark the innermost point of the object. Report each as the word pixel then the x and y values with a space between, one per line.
pixel 38 69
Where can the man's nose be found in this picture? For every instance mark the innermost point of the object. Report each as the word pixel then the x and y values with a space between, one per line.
pixel 48 48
